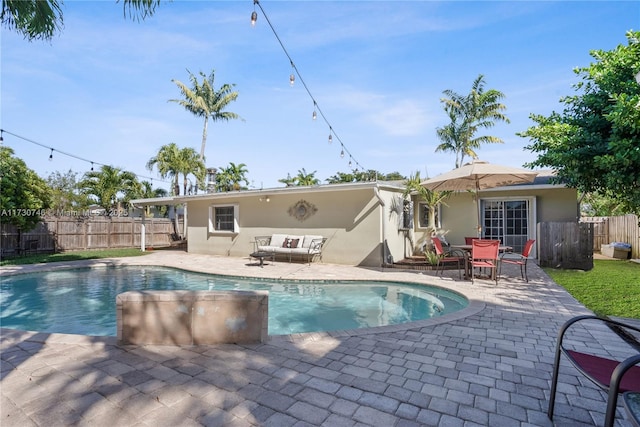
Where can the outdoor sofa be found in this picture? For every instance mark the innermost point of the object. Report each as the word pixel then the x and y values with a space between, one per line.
pixel 306 246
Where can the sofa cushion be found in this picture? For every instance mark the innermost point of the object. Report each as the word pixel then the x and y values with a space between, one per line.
pixel 277 240
pixel 308 238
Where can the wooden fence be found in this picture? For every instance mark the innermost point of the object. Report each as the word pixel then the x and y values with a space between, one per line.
pixel 566 245
pixel 59 234
pixel 609 229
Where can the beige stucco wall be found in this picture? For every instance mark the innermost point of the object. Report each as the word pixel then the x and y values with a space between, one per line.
pixel 349 219
pixel 459 217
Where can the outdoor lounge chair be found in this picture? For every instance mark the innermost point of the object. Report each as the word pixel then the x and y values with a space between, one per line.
pixel 448 257
pixel 613 376
pixel 518 259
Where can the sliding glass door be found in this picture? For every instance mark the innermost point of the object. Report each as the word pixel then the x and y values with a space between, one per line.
pixel 509 221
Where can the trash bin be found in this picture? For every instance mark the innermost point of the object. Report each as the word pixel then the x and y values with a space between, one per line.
pixel 618 250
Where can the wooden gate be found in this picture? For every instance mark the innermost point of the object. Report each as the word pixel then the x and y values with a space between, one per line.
pixel 567 245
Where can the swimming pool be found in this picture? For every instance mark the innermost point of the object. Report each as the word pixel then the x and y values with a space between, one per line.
pixel 82 301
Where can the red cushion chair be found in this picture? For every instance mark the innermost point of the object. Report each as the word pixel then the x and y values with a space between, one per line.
pixel 613 376
pixel 518 259
pixel 484 254
pixel 447 257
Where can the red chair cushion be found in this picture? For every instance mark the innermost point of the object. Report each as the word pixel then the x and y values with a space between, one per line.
pixel 601 368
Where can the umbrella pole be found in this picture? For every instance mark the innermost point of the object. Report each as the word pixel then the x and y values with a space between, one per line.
pixel 479 230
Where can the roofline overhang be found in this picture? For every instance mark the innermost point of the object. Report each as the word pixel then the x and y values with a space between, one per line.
pixel 352 186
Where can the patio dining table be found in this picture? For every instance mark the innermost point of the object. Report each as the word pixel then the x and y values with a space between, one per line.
pixel 467 249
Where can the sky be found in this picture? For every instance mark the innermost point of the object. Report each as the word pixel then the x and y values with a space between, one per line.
pixel 377 70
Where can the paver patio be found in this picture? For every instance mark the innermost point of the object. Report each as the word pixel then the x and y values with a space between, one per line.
pixel 487 366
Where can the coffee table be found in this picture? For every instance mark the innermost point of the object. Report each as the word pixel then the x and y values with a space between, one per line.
pixel 261 255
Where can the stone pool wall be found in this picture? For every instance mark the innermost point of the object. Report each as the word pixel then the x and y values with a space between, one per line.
pixel 192 317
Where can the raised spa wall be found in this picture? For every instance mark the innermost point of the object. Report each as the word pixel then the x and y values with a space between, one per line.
pixel 192 317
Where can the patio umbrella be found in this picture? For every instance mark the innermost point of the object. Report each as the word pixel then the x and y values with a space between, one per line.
pixel 478 175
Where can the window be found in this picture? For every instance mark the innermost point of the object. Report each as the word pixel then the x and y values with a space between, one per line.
pixel 407 217
pixel 424 214
pixel 223 219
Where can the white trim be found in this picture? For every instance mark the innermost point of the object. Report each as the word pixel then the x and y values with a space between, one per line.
pixel 236 216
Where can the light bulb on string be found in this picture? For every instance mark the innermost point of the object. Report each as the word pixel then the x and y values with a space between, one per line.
pixel 314 115
pixel 342 153
pixel 254 14
pixel 91 166
pixel 330 136
pixel 2 131
pixel 51 156
pixel 349 162
pixel 292 77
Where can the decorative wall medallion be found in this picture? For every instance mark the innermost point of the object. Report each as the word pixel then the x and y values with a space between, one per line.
pixel 302 210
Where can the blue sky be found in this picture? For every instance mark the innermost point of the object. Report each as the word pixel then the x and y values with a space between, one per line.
pixel 377 70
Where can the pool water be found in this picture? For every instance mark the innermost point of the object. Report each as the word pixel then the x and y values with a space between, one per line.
pixel 83 301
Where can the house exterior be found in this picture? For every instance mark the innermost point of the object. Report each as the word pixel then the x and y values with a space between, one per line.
pixel 508 213
pixel 367 223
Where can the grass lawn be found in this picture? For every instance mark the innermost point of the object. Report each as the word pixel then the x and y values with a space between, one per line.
pixel 72 256
pixel 612 288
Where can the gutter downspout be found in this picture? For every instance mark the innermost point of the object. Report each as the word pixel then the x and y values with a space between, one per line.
pixel 376 192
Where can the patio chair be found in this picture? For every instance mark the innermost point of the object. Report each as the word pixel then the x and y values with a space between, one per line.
pixel 518 259
pixel 613 376
pixel 469 240
pixel 448 257
pixel 484 254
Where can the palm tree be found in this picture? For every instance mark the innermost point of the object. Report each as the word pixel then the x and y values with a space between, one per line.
pixel 479 109
pixel 190 163
pixel 229 178
pixel 288 181
pixel 202 100
pixel 148 192
pixel 110 186
pixel 172 161
pixel 306 179
pixel 167 162
pixel 43 19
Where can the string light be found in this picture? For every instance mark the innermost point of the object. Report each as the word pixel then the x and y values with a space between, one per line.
pixel 254 14
pixel 292 77
pixel 316 108
pixel 342 153
pixel 1 137
pixel 2 131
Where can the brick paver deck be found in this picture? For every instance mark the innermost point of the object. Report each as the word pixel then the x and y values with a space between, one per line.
pixel 487 366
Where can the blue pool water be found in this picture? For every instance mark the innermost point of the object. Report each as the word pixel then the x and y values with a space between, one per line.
pixel 83 301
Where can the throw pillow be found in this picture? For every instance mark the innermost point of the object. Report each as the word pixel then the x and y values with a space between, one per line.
pixel 294 243
pixel 286 243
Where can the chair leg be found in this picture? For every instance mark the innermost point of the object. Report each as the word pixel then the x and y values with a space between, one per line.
pixel 554 383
